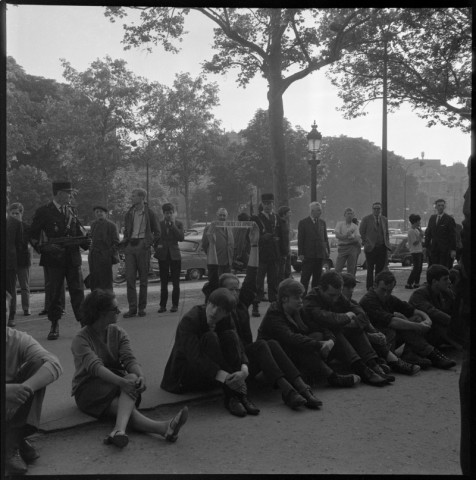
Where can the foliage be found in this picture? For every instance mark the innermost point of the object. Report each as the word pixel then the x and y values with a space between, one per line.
pixel 429 65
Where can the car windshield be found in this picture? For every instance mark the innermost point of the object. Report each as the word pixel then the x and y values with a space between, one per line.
pixel 188 246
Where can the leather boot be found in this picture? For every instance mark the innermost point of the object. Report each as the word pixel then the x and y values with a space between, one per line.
pixel 250 407
pixel 54 331
pixel 311 400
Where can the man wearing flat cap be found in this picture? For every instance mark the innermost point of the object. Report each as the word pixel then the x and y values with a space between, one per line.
pixel 57 235
pixel 269 252
pixel 103 253
pixel 168 254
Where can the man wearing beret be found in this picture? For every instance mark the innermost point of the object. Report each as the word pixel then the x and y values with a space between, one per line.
pixel 269 252
pixel 103 252
pixel 141 231
pixel 62 259
pixel 168 254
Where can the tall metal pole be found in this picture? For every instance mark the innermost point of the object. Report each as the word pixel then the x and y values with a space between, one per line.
pixel 384 130
pixel 405 201
pixel 147 177
pixel 313 163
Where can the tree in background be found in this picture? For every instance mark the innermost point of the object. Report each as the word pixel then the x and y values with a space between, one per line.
pixel 429 65
pixel 282 45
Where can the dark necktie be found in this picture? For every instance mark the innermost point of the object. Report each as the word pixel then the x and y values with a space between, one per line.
pixel 377 221
pixel 438 218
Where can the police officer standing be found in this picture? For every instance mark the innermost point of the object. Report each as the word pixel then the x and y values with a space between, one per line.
pixel 57 235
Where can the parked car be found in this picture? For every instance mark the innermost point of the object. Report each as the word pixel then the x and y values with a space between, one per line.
pixel 400 252
pixel 194 259
pixel 329 262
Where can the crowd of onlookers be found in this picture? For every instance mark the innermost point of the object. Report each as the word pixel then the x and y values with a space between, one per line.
pixel 312 330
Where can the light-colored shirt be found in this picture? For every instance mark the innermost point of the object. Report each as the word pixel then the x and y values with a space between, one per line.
pixel 138 230
pixel 343 229
pixel 414 234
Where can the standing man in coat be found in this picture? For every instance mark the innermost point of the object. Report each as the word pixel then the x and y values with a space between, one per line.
pixel 168 255
pixel 269 253
pixel 440 237
pixel 62 259
pixel 374 232
pixel 313 245
pixel 141 231
pixel 225 243
pixel 103 252
pixel 14 239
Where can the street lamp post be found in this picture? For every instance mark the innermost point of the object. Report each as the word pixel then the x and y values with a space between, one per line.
pixel 313 144
pixel 323 202
pixel 419 163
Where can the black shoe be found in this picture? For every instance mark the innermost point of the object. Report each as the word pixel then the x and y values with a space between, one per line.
pixel 404 367
pixel 141 313
pixel 250 407
pixel 161 310
pixel 235 407
pixel 54 331
pixel 129 314
pixel 174 308
pixel 343 381
pixel 439 360
pixel 416 285
pixel 293 399
pixel 26 313
pixel 371 378
pixel 28 452
pixel 383 365
pixel 43 312
pixel 411 357
pixel 379 371
pixel 311 400
pixel 14 464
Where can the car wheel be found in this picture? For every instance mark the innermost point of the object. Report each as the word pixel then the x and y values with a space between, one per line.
pixel 407 262
pixel 327 265
pixel 194 274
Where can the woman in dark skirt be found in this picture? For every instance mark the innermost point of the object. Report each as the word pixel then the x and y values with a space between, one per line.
pixel 108 380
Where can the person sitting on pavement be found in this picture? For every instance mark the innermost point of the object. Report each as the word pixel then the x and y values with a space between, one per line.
pixel 327 308
pixel 436 299
pixel 108 380
pixel 402 323
pixel 29 368
pixel 287 322
pixel 265 356
pixel 207 352
pixel 387 360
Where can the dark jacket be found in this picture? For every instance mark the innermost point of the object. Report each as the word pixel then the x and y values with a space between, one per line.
pixel 24 253
pixel 291 334
pixel 381 313
pixel 439 307
pixel 14 240
pixel 168 243
pixel 186 359
pixel 312 238
pixel 441 237
pixel 224 244
pixel 268 237
pixel 284 241
pixel 152 230
pixel 49 223
pixel 368 230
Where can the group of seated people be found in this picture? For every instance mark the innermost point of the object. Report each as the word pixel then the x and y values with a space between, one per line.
pixel 301 341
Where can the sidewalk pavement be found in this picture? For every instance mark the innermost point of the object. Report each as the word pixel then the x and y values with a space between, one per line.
pixel 152 338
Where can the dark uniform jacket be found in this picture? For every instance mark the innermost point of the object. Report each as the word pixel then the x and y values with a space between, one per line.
pixel 284 241
pixel 188 368
pixel 438 307
pixel 50 222
pixel 441 237
pixel 312 238
pixel 168 243
pixel 268 237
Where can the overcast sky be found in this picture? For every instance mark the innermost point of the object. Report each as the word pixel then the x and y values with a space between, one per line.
pixel 38 36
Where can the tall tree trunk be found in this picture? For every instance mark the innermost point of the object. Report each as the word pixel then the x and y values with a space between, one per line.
pixel 276 113
pixel 186 194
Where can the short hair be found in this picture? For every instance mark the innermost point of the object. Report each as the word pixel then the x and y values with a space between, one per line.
pixel 376 203
pixel 168 207
pixel 289 287
pixel 348 209
pixel 243 217
pixel 414 218
pixel 223 298
pixel 226 276
pixel 314 204
pixel 348 280
pixel 354 220
pixel 440 200
pixel 140 191
pixel 386 276
pixel 15 206
pixel 221 209
pixel 95 303
pixel 330 279
pixel 436 272
pixel 283 210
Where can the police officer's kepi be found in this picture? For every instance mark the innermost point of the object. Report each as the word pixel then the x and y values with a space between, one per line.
pixel 62 185
pixel 100 207
pixel 267 197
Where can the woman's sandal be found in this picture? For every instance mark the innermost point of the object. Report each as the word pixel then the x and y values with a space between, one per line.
pixel 119 439
pixel 175 425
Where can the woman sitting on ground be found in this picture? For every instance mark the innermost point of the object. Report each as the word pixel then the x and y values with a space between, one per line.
pixel 108 380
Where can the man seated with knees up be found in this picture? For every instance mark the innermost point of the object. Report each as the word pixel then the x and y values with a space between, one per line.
pixel 288 323
pixel 438 301
pixel 328 308
pixel 402 323
pixel 387 360
pixel 29 368
pixel 207 352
